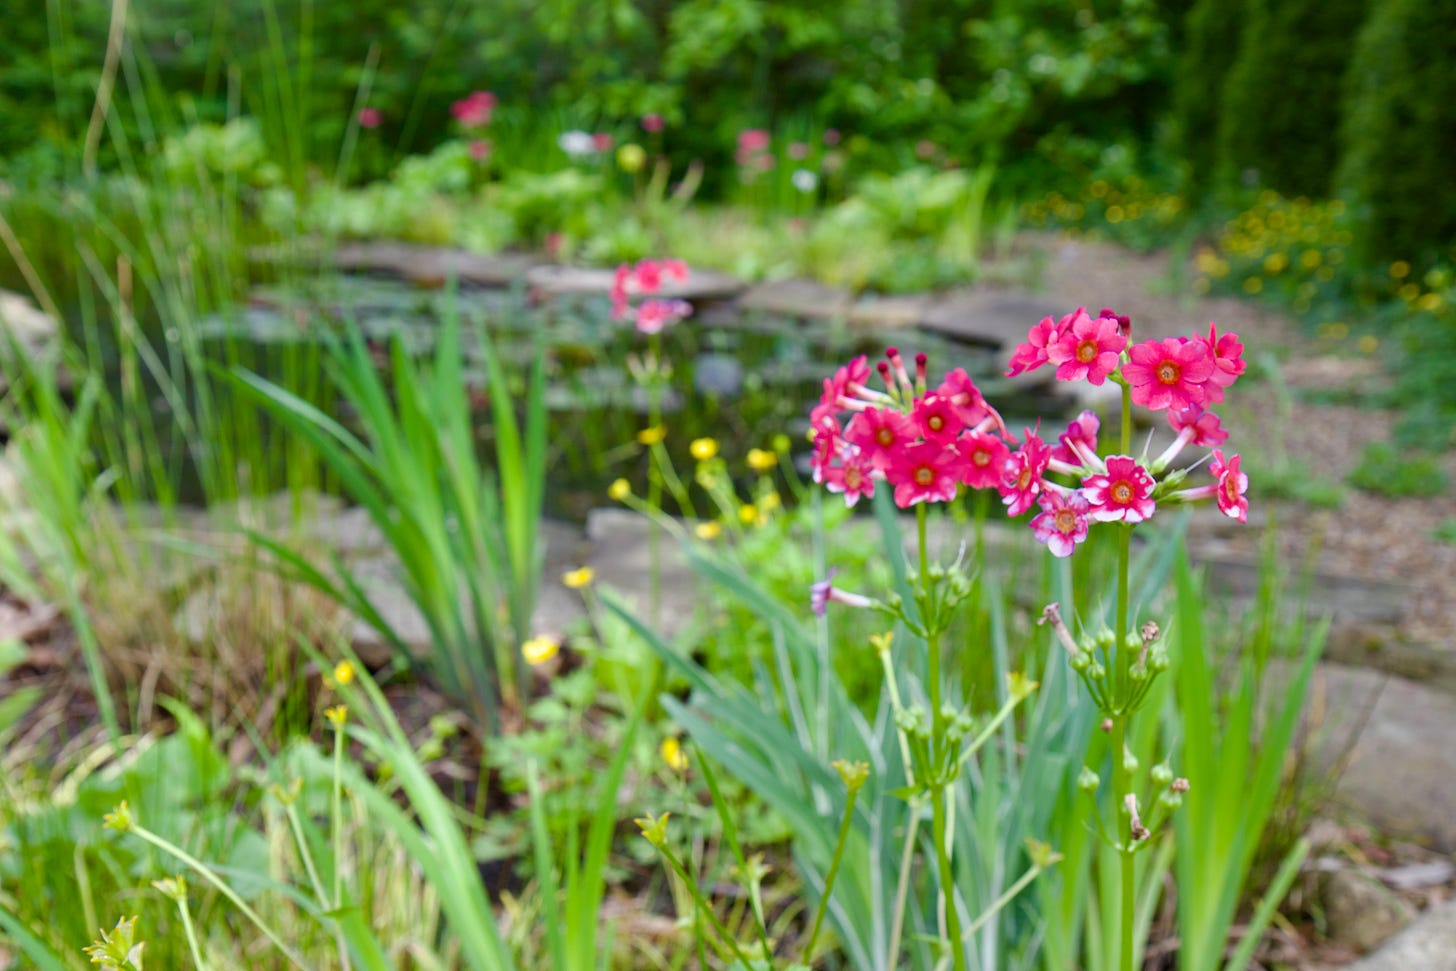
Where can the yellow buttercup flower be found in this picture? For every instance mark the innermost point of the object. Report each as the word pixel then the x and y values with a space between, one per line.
pixel 749 515
pixel 651 436
pixel 673 755
pixel 708 531
pixel 344 673
pixel 540 649
pixel 703 449
pixel 631 157
pixel 578 578
pixel 760 460
pixel 337 715
pixel 619 490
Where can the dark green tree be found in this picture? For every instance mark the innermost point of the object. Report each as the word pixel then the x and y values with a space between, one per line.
pixel 1211 34
pixel 1282 97
pixel 1399 131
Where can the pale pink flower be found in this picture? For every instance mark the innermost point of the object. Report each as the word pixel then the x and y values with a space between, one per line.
pixel 831 137
pixel 823 592
pixel 480 149
pixel 1124 492
pixel 1087 348
pixel 752 140
pixel 1170 373
pixel 1062 522
pixel 797 150
pixel 923 472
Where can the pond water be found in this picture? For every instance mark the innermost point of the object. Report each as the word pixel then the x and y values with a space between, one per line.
pixel 740 378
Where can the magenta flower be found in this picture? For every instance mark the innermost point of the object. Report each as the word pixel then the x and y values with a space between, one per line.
pixel 1170 373
pixel 369 117
pixel 924 472
pixel 752 140
pixel 1232 484
pixel 983 460
pixel 602 142
pixel 1194 427
pixel 1087 348
pixel 1021 475
pixel 474 110
pixel 1228 361
pixel 1032 354
pixel 480 149
pixel 1124 493
pixel 1124 322
pixel 1077 445
pixel 652 123
pixel 654 315
pixel 1062 522
pixel 962 393
pixel 881 433
pixel 937 419
pixel 847 382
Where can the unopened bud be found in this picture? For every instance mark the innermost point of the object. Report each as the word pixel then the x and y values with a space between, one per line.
pixel 854 774
pixel 1170 800
pixel 1161 774
pixel 1149 632
pixel 1158 660
pixel 1087 780
pixel 1179 785
pixel 1129 761
pixel 1106 725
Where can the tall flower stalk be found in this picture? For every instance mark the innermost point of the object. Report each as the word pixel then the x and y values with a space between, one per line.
pixel 1179 376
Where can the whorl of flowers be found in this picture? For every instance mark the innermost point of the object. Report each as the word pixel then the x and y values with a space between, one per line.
pixel 924 442
pixel 643 280
pixel 1180 376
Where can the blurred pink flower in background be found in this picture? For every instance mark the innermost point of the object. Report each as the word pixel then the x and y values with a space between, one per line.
pixel 475 110
pixel 652 122
pixel 369 118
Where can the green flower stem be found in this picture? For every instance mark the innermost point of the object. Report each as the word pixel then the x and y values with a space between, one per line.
pixel 940 819
pixel 902 889
pixel 704 909
pixel 198 867
pixel 336 815
pixel 1001 901
pixel 991 726
pixel 1121 778
pixel 654 485
pixel 191 932
pixel 844 827
pixel 295 823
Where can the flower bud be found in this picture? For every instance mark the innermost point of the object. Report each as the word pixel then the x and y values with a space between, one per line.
pixel 1161 774
pixel 1129 761
pixel 1087 780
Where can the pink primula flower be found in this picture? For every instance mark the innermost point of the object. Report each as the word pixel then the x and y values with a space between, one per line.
pixel 851 475
pixel 654 315
pixel 1232 484
pixel 924 472
pixel 1228 361
pixel 474 111
pixel 1124 493
pixel 881 433
pixel 1170 373
pixel 652 123
pixel 983 460
pixel 1087 348
pixel 1062 522
pixel 1021 475
pixel 1032 354
pixel 369 118
pixel 937 419
pixel 1078 444
pixel 823 592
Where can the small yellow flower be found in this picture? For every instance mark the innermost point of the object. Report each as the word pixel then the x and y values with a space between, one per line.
pixel 760 460
pixel 619 490
pixel 1408 292
pixel 1310 259
pixel 578 578
pixel 1275 263
pixel 703 449
pixel 708 531
pixel 1114 214
pixel 1253 285
pixel 631 157
pixel 539 649
pixel 651 436
pixel 673 755
pixel 337 715
pixel 119 818
pixel 882 642
pixel 1431 302
pixel 1368 344
pixel 344 673
pixel 1400 269
pixel 749 515
pixel 769 502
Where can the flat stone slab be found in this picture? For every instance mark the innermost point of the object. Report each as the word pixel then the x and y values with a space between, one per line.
pixel 1401 774
pixel 1345 599
pixel 621 556
pixel 704 286
pixel 990 318
pixel 1429 944
pixel 888 313
pixel 433 265
pixel 801 299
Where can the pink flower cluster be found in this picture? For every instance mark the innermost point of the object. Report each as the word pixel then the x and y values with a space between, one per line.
pixel 474 110
pixel 925 443
pixel 753 151
pixel 644 280
pixel 1177 375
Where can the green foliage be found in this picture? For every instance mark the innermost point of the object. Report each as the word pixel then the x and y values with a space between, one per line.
pixel 1280 112
pixel 1389 470
pixel 1212 33
pixel 1400 130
